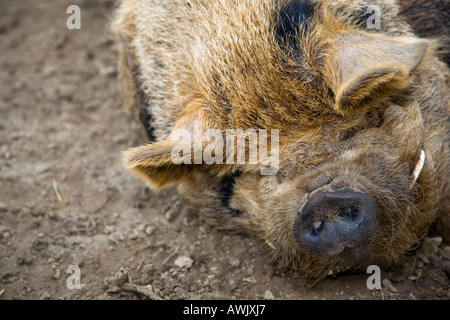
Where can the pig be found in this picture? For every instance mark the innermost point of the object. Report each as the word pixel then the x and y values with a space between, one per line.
pixel 359 109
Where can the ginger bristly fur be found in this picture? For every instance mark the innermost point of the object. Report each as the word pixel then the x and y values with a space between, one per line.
pixel 354 107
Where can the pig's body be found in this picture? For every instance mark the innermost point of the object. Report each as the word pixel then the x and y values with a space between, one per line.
pixel 363 120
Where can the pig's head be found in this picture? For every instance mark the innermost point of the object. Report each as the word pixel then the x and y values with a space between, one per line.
pixel 355 180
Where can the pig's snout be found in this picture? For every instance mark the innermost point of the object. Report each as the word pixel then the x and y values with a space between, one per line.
pixel 329 222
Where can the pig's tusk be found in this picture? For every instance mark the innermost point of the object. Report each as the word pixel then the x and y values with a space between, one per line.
pixel 419 166
pixel 270 244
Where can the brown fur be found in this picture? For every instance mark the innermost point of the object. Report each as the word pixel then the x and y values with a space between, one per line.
pixel 354 108
pixel 430 19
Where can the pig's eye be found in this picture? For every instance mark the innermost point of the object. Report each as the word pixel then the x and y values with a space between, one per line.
pixel 347 134
pixel 226 189
pixel 371 120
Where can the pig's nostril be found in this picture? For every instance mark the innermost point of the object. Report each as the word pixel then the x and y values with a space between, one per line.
pixel 316 228
pixel 349 213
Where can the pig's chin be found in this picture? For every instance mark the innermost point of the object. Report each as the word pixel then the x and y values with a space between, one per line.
pixel 355 255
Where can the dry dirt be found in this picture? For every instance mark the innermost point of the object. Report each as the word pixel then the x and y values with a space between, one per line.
pixel 65 200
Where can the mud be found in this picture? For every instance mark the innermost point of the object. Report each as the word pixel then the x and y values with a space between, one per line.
pixel 65 199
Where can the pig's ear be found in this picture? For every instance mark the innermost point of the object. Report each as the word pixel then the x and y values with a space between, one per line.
pixel 175 159
pixel 153 164
pixel 361 69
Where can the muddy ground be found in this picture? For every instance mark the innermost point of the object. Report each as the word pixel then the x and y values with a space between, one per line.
pixel 65 199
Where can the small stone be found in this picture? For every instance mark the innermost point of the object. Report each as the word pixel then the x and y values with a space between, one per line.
pixel 148 268
pixel 171 215
pixel 57 274
pixel 428 249
pixel 180 294
pixel 44 295
pixel 113 289
pixel 42 167
pixel 235 263
pixel 52 215
pixel 120 138
pixel 108 229
pixel 436 240
pixel 213 269
pixel 78 261
pixel 445 253
pixel 436 261
pixel 268 295
pixel 141 234
pixel 39 245
pixel 38 213
pixel 149 230
pixel 24 260
pixel 119 278
pixel 206 282
pixel 107 71
pixel 386 283
pixel 137 204
pixel 116 237
pixel 423 258
pixel 134 235
pixel 184 262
